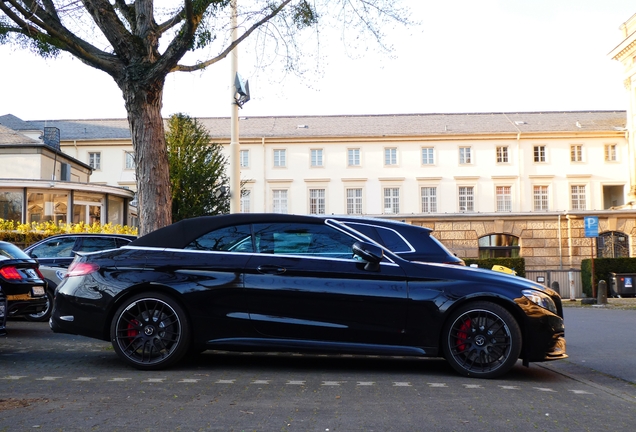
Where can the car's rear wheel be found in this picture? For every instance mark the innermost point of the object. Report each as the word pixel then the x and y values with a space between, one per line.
pixel 150 331
pixel 44 315
pixel 482 340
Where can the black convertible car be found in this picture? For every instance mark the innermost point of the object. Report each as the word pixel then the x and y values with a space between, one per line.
pixel 273 282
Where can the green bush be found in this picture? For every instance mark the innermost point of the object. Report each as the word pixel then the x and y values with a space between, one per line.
pixel 516 264
pixel 602 269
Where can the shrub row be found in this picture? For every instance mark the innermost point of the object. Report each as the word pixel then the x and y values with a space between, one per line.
pixel 24 235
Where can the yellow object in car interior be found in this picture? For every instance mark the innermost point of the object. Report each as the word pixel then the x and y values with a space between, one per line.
pixel 502 269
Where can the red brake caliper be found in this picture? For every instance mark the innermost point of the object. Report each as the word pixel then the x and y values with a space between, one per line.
pixel 462 335
pixel 132 330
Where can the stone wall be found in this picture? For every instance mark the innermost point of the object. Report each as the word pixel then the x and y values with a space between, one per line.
pixel 547 242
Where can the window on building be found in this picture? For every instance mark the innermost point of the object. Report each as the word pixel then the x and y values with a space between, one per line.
pixel 576 153
pixel 390 156
pixel 498 246
pixel 539 153
pixel 392 200
pixel 502 154
pixel 279 203
pixel 429 199
pixel 11 205
pixel 504 198
pixel 316 158
pixel 354 201
pixel 316 201
pixel 245 158
pixel 540 194
pixel 578 197
pixel 612 244
pixel 610 153
pixel 280 158
pixel 246 196
pixel 353 157
pixel 95 160
pixel 465 155
pixel 466 199
pixel 130 161
pixel 428 156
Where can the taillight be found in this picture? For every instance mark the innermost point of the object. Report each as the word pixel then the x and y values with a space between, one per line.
pixel 81 269
pixel 10 273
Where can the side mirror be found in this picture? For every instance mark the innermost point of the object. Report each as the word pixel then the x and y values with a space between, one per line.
pixel 370 253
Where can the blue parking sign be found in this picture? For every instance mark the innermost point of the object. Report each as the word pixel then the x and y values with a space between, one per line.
pixel 591 226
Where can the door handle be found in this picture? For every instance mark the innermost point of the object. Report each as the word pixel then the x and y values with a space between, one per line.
pixel 270 269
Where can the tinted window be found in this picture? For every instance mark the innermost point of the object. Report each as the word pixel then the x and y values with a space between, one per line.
pixel 9 251
pixel 386 237
pixel 54 248
pixel 234 238
pixel 121 242
pixel 302 239
pixel 93 244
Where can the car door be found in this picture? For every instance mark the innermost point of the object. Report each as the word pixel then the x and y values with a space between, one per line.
pixel 304 283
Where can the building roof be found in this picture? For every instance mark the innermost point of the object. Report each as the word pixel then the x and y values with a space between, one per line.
pixel 11 137
pixel 362 125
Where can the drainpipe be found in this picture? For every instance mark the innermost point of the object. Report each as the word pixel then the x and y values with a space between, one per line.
pixel 264 175
pixel 560 244
pixel 569 240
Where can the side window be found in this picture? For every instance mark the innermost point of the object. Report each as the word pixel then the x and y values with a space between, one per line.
pixel 387 237
pixel 393 241
pixel 121 242
pixel 92 244
pixel 302 239
pixel 55 248
pixel 232 239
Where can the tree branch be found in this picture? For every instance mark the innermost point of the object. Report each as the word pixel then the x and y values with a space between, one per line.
pixel 225 52
pixel 113 29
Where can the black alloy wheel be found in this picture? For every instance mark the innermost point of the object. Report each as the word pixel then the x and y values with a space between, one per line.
pixel 44 315
pixel 482 340
pixel 150 331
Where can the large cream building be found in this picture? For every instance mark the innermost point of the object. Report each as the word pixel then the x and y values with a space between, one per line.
pixel 489 184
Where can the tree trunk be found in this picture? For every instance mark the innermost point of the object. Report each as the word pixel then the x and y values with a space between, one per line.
pixel 143 104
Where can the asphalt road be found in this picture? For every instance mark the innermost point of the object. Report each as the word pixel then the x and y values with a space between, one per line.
pixel 61 382
pixel 600 343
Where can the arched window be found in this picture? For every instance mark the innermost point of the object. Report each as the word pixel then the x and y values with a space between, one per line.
pixel 498 246
pixel 612 244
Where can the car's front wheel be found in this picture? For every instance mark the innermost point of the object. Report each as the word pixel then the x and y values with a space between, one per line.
pixel 150 331
pixel 482 340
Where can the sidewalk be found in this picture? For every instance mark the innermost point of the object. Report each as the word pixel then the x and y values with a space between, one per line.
pixel 612 303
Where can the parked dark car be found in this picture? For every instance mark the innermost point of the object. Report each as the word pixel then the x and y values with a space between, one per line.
pixel 272 282
pixel 56 253
pixel 411 242
pixel 21 281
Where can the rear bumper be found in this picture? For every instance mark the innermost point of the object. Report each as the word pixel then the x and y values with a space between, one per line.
pixel 19 305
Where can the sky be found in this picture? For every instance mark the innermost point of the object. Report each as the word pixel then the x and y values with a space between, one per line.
pixel 464 56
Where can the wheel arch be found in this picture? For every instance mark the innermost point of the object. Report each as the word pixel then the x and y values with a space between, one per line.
pixel 502 301
pixel 138 289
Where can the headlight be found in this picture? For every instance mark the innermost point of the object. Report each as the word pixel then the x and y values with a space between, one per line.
pixel 541 299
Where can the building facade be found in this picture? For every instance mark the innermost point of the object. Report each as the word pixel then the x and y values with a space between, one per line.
pixel 39 183
pixel 489 184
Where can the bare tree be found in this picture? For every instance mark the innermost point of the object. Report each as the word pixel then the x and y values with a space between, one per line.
pixel 138 43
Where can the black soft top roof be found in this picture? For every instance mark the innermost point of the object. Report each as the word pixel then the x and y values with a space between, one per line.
pixel 182 233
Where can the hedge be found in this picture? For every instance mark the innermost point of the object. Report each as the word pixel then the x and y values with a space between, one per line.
pixel 24 235
pixel 602 269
